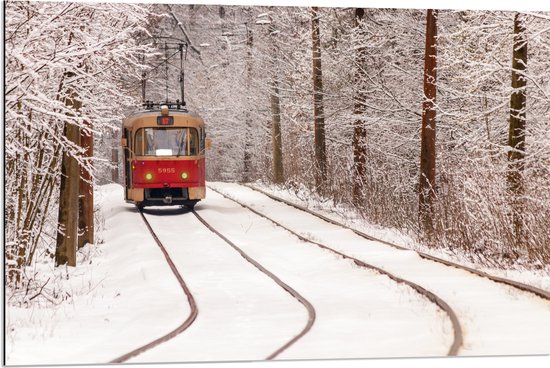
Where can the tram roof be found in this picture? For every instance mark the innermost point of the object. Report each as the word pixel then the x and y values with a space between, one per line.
pixel 149 118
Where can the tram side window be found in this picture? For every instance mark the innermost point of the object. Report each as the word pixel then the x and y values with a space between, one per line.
pixel 139 143
pixel 167 142
pixel 202 140
pixel 193 142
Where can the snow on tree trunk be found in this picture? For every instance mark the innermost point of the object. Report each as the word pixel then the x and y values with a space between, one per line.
pixel 247 172
pixel 516 131
pixel 67 234
pixel 427 152
pixel 276 138
pixel 318 108
pixel 359 108
pixel 114 157
pixel 86 191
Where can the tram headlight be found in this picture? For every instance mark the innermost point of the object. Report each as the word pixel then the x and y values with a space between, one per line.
pixel 148 176
pixel 184 175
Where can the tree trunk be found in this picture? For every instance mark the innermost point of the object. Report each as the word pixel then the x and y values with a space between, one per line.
pixel 114 157
pixel 86 198
pixel 65 252
pixel 516 132
pixel 278 174
pixel 359 131
pixel 318 108
pixel 67 234
pixel 247 174
pixel 427 152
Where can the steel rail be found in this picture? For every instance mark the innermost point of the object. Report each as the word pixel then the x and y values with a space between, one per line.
pixel 518 285
pixel 190 319
pixel 286 287
pixel 457 335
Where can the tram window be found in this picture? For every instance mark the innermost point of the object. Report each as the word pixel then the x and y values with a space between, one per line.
pixel 193 142
pixel 139 143
pixel 201 140
pixel 167 142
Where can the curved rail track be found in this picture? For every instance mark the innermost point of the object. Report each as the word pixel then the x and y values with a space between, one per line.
pixel 518 285
pixel 457 336
pixel 291 291
pixel 190 319
pixel 194 309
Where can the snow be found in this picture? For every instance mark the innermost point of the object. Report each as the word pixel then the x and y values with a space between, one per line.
pixel 238 306
pixel 521 327
pixel 302 197
pixel 123 295
pixel 359 312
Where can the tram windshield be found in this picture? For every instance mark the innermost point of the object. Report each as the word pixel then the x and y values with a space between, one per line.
pixel 167 142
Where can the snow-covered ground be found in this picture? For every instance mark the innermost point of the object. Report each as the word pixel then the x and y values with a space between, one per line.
pixel 539 279
pixel 496 318
pixel 123 295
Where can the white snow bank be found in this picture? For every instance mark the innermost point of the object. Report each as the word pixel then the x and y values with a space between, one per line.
pixel 121 297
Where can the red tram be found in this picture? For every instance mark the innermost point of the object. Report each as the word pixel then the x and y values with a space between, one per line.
pixel 164 157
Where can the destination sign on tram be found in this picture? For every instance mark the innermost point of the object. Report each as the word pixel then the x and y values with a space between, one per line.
pixel 165 120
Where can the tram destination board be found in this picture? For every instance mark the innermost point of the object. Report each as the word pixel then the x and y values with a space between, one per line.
pixel 165 120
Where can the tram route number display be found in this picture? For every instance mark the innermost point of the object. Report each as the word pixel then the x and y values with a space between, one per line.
pixel 165 120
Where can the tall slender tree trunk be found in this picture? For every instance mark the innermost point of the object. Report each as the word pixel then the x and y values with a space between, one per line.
pixel 427 152
pixel 318 108
pixel 359 101
pixel 247 175
pixel 516 132
pixel 67 234
pixel 86 198
pixel 278 173
pixel 114 157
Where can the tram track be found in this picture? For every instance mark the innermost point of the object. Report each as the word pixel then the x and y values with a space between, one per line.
pixel 309 307
pixel 457 333
pixel 515 284
pixel 432 297
pixel 192 303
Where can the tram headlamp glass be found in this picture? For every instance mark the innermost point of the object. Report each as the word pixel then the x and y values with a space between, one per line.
pixel 184 175
pixel 148 176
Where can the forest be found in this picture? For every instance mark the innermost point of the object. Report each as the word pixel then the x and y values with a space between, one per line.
pixel 433 122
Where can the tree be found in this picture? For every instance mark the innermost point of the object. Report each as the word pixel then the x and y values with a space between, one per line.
pixel 473 97
pixel 86 190
pixel 68 67
pixel 517 131
pixel 359 107
pixel 474 71
pixel 318 107
pixel 276 136
pixel 247 172
pixel 67 234
pixel 427 152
